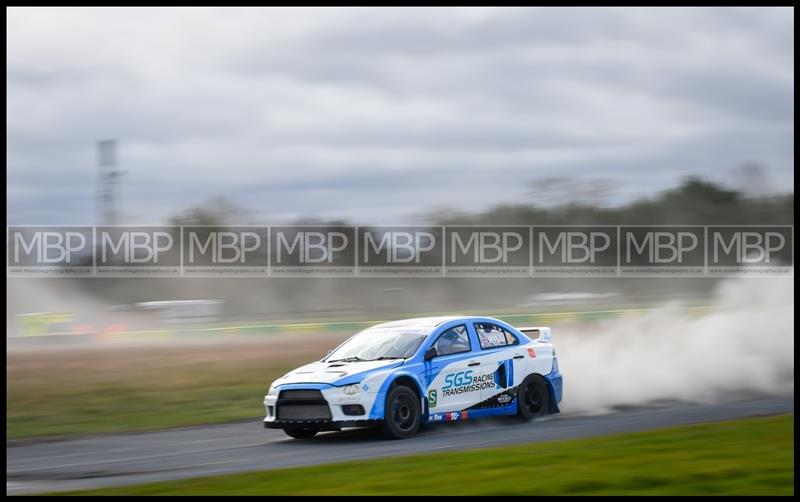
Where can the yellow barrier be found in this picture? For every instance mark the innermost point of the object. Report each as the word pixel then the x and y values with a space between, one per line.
pixel 39 323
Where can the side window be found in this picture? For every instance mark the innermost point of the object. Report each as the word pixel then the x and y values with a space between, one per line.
pixel 510 338
pixel 492 335
pixel 453 341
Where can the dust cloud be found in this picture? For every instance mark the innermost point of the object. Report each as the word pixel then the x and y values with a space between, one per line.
pixel 745 346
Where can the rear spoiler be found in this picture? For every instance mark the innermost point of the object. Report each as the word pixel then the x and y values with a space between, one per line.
pixel 540 334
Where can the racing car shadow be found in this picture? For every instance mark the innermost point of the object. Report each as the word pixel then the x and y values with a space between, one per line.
pixel 370 435
pixel 355 435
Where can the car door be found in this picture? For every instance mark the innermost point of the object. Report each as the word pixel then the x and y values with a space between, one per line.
pixel 502 357
pixel 452 374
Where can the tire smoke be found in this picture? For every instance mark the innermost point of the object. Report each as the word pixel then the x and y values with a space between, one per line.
pixel 744 346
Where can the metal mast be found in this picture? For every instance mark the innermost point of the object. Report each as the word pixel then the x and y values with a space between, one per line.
pixel 108 177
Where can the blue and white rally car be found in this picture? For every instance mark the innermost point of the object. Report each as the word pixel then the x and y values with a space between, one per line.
pixel 399 374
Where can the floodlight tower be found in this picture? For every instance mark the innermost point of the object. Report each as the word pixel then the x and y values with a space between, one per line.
pixel 108 177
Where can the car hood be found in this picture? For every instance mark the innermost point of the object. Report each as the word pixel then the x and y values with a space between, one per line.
pixel 333 372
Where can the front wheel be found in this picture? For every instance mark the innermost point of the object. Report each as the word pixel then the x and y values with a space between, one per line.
pixel 533 399
pixel 301 433
pixel 402 415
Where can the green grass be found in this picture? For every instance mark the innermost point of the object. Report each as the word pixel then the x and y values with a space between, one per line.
pixel 743 457
pixel 103 391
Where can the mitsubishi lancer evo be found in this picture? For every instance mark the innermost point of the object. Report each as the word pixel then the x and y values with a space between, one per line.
pixel 398 375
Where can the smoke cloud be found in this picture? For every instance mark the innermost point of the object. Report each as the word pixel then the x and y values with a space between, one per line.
pixel 746 346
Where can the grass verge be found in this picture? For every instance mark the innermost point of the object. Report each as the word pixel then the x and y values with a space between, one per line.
pixel 88 391
pixel 742 457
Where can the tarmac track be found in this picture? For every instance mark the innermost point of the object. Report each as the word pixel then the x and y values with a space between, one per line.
pixel 246 446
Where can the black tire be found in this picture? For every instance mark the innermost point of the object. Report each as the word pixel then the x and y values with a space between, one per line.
pixel 533 399
pixel 301 433
pixel 402 415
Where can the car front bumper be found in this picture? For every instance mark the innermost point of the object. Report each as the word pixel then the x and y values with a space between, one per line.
pixel 326 405
pixel 319 424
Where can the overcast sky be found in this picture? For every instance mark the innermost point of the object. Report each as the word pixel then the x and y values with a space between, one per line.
pixel 378 115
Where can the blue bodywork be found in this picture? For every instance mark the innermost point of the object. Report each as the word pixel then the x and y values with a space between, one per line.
pixel 420 372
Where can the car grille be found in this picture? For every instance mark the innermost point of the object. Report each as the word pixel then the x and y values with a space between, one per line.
pixel 302 404
pixel 301 394
pixel 304 412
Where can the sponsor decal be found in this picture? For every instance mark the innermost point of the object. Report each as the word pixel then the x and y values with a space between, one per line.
pixel 464 415
pixel 365 387
pixel 462 382
pixel 531 352
pixel 450 416
pixel 504 398
pixel 432 398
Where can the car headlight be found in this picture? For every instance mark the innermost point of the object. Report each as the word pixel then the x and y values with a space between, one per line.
pixel 350 389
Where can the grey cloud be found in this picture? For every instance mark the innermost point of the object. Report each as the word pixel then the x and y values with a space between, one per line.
pixel 738 93
pixel 380 114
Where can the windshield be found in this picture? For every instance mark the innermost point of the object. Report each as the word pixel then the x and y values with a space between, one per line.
pixel 380 343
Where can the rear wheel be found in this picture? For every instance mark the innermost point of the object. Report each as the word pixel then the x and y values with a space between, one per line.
pixel 301 433
pixel 534 398
pixel 402 415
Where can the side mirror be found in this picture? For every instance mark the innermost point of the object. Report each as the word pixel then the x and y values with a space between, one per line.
pixel 430 353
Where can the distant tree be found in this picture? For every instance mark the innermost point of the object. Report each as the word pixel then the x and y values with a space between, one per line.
pixel 695 201
pixel 751 179
pixel 561 190
pixel 695 189
pixel 218 211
